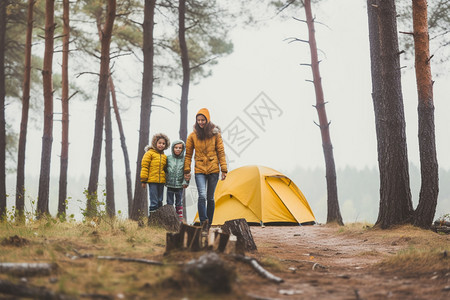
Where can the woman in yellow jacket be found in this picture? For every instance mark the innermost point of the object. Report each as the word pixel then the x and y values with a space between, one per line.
pixel 153 169
pixel 209 159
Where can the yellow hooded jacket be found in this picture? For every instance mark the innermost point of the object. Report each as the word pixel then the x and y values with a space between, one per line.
pixel 209 153
pixel 154 163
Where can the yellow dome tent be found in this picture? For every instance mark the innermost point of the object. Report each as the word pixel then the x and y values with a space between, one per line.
pixel 260 195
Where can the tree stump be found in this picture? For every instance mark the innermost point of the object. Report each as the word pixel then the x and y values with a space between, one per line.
pixel 188 237
pixel 193 237
pixel 220 241
pixel 165 216
pixel 174 240
pixel 240 228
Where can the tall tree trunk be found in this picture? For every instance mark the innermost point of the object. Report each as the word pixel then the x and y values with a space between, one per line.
pixel 20 179
pixel 110 202
pixel 123 144
pixel 334 213
pixel 186 79
pixel 429 169
pixel 140 198
pixel 395 194
pixel 3 22
pixel 186 69
pixel 47 138
pixel 64 160
pixel 91 209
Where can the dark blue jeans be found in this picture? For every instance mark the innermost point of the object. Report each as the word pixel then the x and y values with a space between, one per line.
pixel 206 185
pixel 155 193
pixel 176 193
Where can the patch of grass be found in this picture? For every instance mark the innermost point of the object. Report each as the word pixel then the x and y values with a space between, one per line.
pixel 272 263
pixel 418 251
pixel 64 243
pixel 354 228
pixel 417 261
pixel 372 252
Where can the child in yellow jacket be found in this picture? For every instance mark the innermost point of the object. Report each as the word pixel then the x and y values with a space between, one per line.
pixel 153 169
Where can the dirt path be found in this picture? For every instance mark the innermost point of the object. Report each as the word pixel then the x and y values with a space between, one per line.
pixel 319 262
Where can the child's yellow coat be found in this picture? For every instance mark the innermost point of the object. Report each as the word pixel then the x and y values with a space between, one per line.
pixel 153 167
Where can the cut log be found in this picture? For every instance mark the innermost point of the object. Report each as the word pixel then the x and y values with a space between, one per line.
pixel 230 248
pixel 188 237
pixel 27 291
pixel 165 216
pixel 174 240
pixel 193 238
pixel 240 228
pixel 442 223
pixel 220 241
pixel 27 269
pixel 440 229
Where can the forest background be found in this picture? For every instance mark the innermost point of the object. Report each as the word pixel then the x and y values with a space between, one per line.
pixel 262 62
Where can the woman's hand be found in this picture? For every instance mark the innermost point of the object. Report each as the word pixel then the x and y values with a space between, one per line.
pixel 143 185
pixel 187 176
pixel 224 175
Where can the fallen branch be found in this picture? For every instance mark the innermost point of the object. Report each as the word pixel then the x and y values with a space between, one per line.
pixel 318 266
pixel 127 259
pixel 26 291
pixel 259 269
pixel 81 255
pixel 315 264
pixel 256 297
pixel 27 269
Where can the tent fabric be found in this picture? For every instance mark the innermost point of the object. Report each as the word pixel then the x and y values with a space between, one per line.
pixel 260 195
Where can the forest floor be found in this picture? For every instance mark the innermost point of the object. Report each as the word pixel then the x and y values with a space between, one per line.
pixel 320 261
pixel 331 263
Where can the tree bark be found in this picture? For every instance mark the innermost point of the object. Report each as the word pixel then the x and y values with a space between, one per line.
pixel 47 138
pixel 186 79
pixel 140 198
pixel 64 159
pixel 3 22
pixel 395 194
pixel 334 213
pixel 91 209
pixel 123 144
pixel 241 230
pixel 110 202
pixel 186 69
pixel 429 169
pixel 166 217
pixel 20 178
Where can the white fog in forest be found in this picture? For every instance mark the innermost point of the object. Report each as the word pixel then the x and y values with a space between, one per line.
pixel 263 64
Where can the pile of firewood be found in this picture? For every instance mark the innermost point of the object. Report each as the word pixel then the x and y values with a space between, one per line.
pixel 234 237
pixel 441 226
